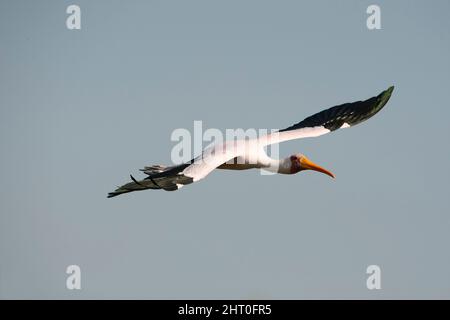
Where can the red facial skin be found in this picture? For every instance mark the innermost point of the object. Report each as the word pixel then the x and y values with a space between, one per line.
pixel 295 164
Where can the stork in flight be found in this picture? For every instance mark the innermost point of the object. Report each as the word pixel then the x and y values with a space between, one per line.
pixel 250 153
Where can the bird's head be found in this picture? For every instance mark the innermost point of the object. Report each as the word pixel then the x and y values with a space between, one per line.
pixel 299 162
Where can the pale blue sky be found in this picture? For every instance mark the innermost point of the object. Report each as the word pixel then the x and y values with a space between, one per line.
pixel 81 110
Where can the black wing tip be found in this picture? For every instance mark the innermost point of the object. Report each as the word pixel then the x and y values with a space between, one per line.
pixel 383 98
pixel 386 94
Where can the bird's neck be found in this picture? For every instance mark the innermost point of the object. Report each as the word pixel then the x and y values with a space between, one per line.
pixel 282 166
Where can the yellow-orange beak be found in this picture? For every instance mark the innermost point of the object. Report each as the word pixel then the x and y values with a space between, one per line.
pixel 307 164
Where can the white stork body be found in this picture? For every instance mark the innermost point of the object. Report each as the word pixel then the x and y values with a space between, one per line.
pixel 249 154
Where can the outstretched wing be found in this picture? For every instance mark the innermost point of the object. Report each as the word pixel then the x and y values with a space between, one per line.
pixel 342 116
pixel 174 177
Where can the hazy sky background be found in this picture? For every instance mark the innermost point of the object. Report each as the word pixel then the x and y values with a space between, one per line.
pixel 81 110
